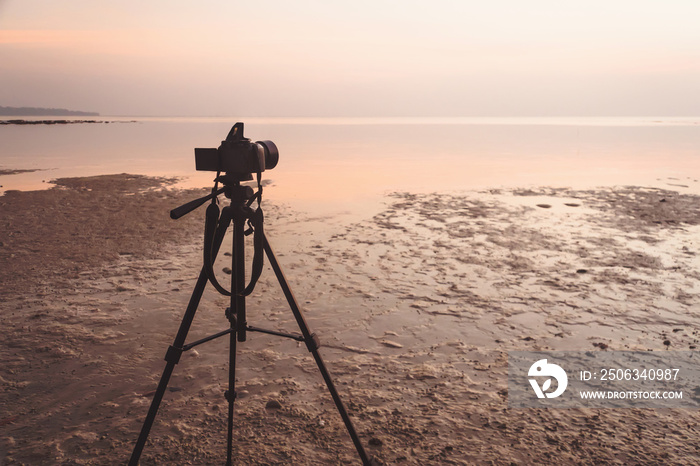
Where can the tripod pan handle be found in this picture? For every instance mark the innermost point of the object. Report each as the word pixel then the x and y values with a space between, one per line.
pixel 190 206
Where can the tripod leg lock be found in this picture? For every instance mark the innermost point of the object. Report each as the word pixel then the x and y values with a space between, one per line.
pixel 173 354
pixel 313 343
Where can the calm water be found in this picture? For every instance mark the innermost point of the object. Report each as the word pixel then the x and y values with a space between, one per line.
pixel 339 161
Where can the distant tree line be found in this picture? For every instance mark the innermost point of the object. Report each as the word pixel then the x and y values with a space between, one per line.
pixel 37 111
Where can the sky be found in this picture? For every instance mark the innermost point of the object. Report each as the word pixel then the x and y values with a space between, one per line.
pixel 382 58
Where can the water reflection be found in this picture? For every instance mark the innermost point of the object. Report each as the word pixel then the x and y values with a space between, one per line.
pixel 333 161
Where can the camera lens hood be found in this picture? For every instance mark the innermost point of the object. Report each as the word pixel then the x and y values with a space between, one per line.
pixel 272 155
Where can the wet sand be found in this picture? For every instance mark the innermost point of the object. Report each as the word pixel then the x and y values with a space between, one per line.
pixel 416 308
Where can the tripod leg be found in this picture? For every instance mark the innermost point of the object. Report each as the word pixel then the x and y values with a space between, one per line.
pixel 312 344
pixel 230 397
pixel 174 352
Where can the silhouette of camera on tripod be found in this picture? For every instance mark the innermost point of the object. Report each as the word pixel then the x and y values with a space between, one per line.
pixel 238 158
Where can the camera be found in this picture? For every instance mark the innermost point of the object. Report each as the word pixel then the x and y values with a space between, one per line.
pixel 237 155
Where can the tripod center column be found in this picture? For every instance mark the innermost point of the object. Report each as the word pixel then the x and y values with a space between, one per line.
pixel 237 316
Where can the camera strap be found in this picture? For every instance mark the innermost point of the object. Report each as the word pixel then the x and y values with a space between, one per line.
pixel 214 226
pixel 256 221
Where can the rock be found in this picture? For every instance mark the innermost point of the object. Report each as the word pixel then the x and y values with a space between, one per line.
pixel 375 442
pixel 273 404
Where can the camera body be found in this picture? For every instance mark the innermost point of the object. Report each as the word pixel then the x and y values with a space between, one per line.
pixel 237 155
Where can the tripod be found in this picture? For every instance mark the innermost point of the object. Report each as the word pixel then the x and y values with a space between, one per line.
pixel 238 212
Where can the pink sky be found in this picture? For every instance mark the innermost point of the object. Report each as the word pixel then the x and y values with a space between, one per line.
pixel 353 58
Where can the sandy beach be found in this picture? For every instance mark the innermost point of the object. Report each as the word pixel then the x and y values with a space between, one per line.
pixel 416 308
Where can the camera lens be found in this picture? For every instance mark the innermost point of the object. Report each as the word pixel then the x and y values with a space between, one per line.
pixel 272 155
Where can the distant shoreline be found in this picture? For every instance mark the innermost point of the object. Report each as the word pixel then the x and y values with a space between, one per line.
pixel 39 111
pixel 17 171
pixel 58 122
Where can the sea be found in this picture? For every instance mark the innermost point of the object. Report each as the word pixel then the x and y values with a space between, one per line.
pixel 339 163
